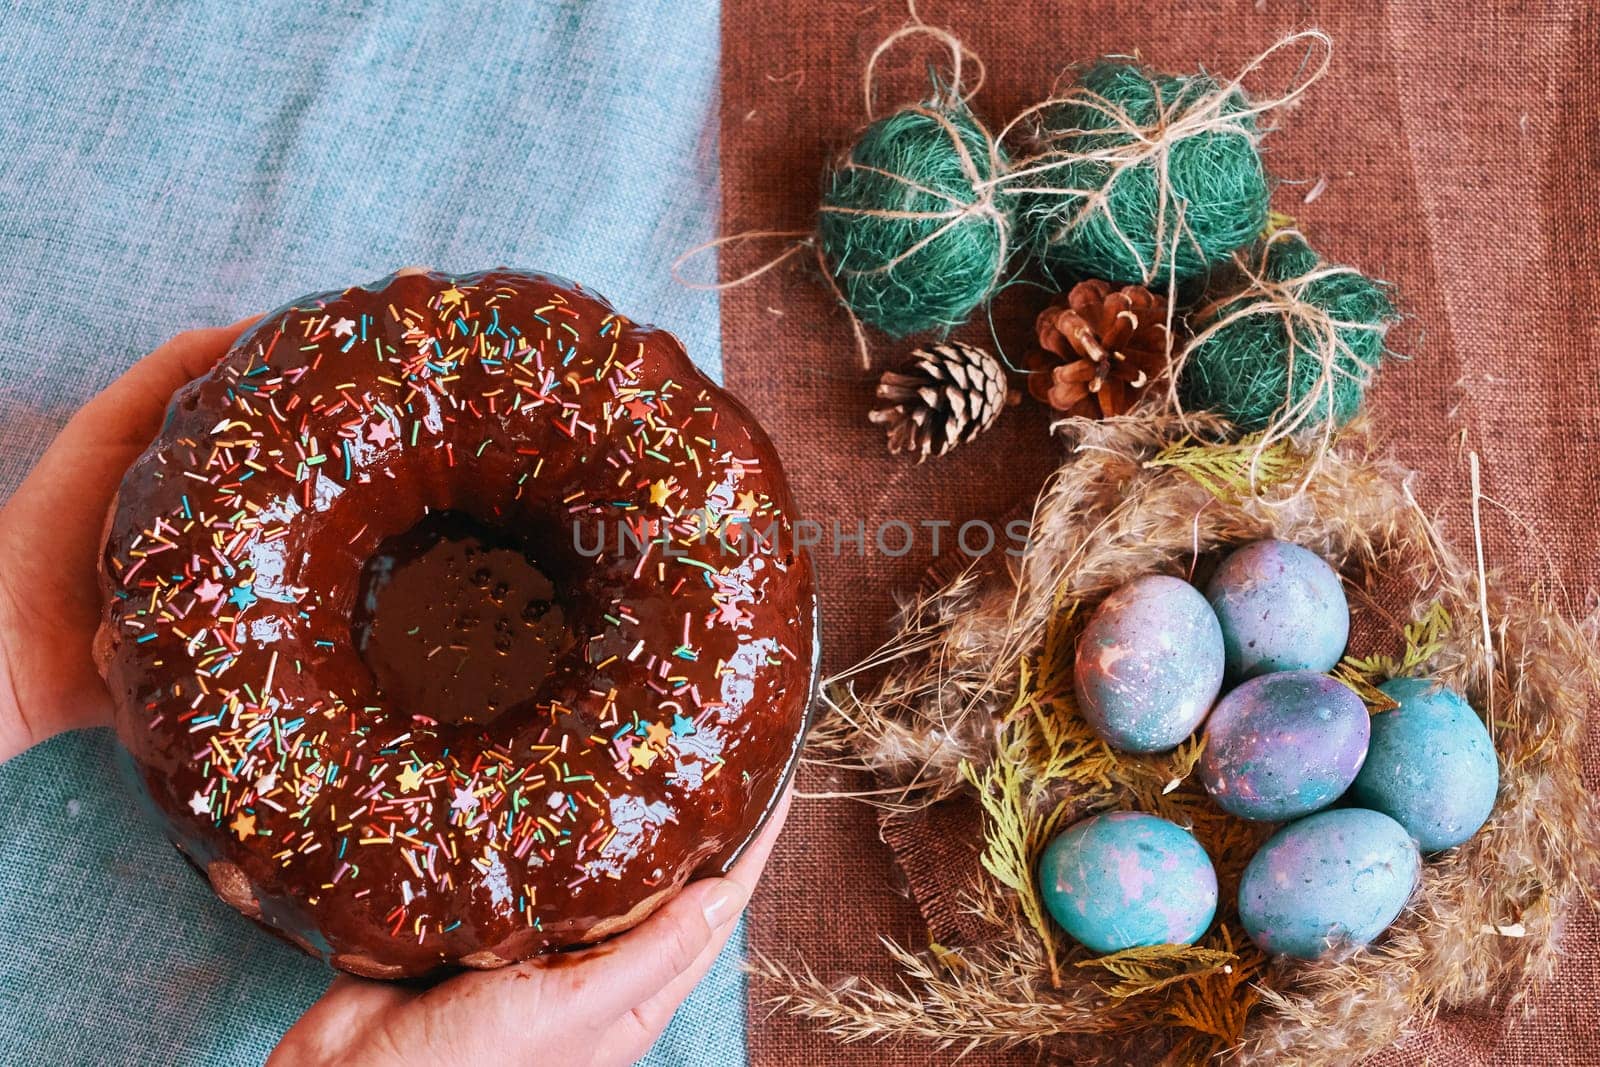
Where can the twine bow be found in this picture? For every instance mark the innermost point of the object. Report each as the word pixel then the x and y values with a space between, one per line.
pixel 1311 333
pixel 1151 144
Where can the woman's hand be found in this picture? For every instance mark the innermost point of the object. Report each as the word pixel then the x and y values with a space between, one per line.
pixel 50 533
pixel 600 1007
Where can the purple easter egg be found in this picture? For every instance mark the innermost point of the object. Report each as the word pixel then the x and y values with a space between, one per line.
pixel 1328 883
pixel 1284 745
pixel 1123 879
pixel 1149 664
pixel 1282 608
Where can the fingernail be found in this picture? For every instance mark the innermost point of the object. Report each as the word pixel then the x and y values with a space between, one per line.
pixel 722 902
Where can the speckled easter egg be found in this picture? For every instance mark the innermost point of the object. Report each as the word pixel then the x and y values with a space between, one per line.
pixel 1149 664
pixel 1284 745
pixel 1430 765
pixel 1281 607
pixel 1125 878
pixel 1332 880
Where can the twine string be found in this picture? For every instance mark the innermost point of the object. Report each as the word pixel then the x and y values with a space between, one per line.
pixel 915 27
pixel 958 211
pixel 1175 120
pixel 1324 343
pixel 1138 145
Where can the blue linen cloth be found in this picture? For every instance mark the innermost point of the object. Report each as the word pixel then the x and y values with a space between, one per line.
pixel 166 165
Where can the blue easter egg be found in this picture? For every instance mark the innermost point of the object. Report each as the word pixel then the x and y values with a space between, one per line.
pixel 1149 664
pixel 1284 745
pixel 1330 881
pixel 1282 608
pixel 1125 878
pixel 1430 765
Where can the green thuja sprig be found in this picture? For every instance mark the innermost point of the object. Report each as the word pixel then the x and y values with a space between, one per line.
pixel 1231 472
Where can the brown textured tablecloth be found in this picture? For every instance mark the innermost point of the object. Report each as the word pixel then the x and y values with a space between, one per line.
pixel 1458 143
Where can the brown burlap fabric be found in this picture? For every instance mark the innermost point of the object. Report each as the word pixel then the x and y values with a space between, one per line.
pixel 1459 146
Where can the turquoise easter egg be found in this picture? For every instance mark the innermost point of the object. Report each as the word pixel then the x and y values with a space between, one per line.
pixel 1430 765
pixel 1284 745
pixel 1123 879
pixel 1149 664
pixel 1281 608
pixel 1330 881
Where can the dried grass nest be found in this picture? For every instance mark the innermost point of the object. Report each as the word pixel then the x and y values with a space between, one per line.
pixel 974 696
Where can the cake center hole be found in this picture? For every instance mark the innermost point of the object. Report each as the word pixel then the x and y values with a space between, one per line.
pixel 457 621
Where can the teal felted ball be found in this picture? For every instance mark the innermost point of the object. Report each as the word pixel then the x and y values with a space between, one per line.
pixel 1124 879
pixel 1295 350
pixel 1143 176
pixel 911 231
pixel 1430 765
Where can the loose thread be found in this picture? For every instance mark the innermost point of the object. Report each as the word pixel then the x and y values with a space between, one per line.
pixel 801 241
pixel 1483 589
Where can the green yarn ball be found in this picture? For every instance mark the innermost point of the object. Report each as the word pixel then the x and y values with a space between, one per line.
pixel 1214 174
pixel 912 238
pixel 1244 370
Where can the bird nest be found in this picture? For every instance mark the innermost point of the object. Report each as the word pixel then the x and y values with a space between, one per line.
pixel 973 699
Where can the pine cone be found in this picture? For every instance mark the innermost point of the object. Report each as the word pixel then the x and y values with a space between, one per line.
pixel 946 395
pixel 1100 349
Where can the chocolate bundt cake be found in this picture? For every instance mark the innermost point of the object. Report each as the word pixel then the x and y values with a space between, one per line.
pixel 454 620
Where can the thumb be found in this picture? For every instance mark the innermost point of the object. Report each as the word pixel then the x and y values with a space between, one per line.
pixel 137 400
pixel 651 956
pixel 598 985
pixel 570 1001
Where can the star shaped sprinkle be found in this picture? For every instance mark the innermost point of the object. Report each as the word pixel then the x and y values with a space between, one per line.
pixel 748 502
pixel 380 433
pixel 242 596
pixel 465 801
pixel 659 733
pixel 199 805
pixel 344 328
pixel 639 408
pixel 730 614
pixel 659 492
pixel 208 592
pixel 243 825
pixel 266 783
pixel 410 779
pixel 450 296
pixel 682 725
pixel 643 756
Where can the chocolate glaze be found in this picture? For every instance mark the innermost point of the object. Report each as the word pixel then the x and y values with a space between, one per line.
pixel 457 621
pixel 400 824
